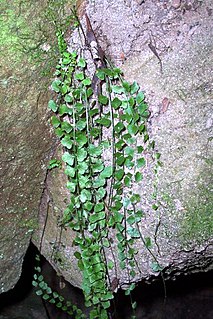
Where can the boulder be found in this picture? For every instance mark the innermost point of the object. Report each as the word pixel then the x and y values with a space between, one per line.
pixel 167 49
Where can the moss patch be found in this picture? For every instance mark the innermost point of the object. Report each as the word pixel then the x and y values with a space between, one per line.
pixel 27 31
pixel 197 226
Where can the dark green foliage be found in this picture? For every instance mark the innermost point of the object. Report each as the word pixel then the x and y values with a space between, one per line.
pixel 92 211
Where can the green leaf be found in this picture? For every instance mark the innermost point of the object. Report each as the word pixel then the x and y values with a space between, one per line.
pixel 148 242
pixel 141 162
pixel 129 289
pixel 79 76
pixel 95 132
pixel 119 127
pixel 93 112
pixel 119 174
pixel 120 159
pixel 107 172
pixel 77 255
pixel 116 103
pixel 110 264
pixel 84 181
pixel 139 214
pixel 68 98
pixel 108 72
pixel 104 121
pixel 100 194
pixel 118 217
pixel 131 140
pixel 122 264
pixel 131 102
pixel 127 181
pixel 82 167
pixel 117 89
pixel 96 217
pixel 106 243
pixel 48 290
pixel 55 294
pixel 129 151
pixel 155 207
pixel 134 88
pixel 120 227
pixel 116 72
pixel 39 292
pixel 142 108
pixel 66 61
pixel 120 237
pixel 99 182
pixel 95 300
pixel 70 171
pixel 81 139
pixel 64 89
pixel 55 121
pixel 45 297
pixel 126 86
pixel 64 109
pixel 133 232
pixel 146 138
pixel 97 167
pixel 135 198
pixel 140 149
pixel 79 107
pixel 128 162
pixel 67 142
pixel 89 92
pixel 65 126
pixel 82 63
pixel 140 97
pixel 52 106
pixel 100 74
pixel 34 283
pixel 87 82
pixel 117 202
pixel 56 85
pixel 61 298
pixel 85 195
pixel 103 99
pixel 119 145
pixel 81 154
pixel 131 220
pixel 88 206
pixel 68 158
pixel 157 156
pixel 134 305
pixel 138 177
pixel 98 207
pixel 54 163
pixel 81 124
pixel 106 305
pixel 71 186
pixel 95 150
pixel 156 267
pixel 132 129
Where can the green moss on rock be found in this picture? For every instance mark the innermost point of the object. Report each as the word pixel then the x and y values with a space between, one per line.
pixel 197 225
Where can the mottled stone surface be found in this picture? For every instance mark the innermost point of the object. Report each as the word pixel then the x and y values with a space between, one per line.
pixel 26 139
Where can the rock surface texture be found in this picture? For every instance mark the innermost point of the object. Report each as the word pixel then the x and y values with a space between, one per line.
pixel 27 141
pixel 166 46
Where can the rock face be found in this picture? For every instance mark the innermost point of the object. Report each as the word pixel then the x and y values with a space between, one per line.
pixel 167 48
pixel 26 139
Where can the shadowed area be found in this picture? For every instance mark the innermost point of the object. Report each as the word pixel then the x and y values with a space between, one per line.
pixel 188 297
